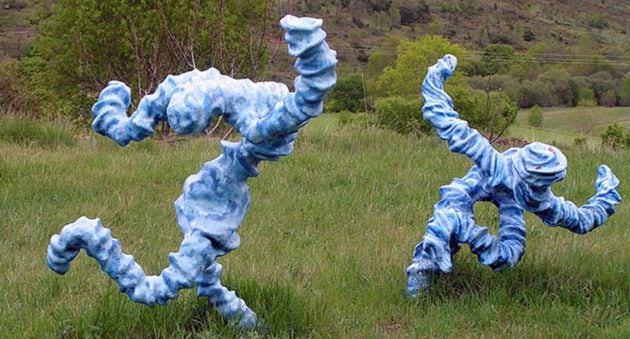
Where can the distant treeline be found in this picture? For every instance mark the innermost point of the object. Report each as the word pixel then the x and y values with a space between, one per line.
pixel 83 44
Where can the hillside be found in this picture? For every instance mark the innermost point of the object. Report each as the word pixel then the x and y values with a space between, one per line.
pixel 569 32
pixel 357 27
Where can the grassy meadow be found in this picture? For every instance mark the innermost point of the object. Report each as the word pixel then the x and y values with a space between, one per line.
pixel 324 249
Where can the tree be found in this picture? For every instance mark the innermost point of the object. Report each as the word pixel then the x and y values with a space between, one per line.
pixel 413 59
pixel 347 95
pixel 414 11
pixel 624 92
pixel 614 138
pixel 86 43
pixel 560 81
pixel 497 58
pixel 402 115
pixel 529 34
pixel 535 117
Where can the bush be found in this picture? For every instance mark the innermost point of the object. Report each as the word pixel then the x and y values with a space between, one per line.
pixel 579 141
pixel 533 93
pixel 535 117
pixel 16 97
pixel 598 21
pixel 344 118
pixel 347 95
pixel 528 34
pixel 609 98
pixel 614 137
pixel 560 81
pixel 401 115
pixel 624 92
pixel 586 97
pixel 33 132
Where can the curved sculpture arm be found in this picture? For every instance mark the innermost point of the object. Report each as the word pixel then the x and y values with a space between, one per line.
pixel 438 111
pixel 259 111
pixel 187 101
pixel 98 243
pixel 109 112
pixel 590 215
pixel 316 64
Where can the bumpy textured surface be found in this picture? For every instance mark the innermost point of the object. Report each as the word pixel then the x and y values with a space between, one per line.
pixel 518 179
pixel 215 200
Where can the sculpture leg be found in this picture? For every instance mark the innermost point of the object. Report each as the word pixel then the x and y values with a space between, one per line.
pixel 88 234
pixel 434 253
pixel 231 307
pixel 507 247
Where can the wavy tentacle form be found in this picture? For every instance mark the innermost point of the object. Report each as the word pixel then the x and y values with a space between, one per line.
pixel 96 240
pixel 215 200
pixel 516 180
pixel 439 112
pixel 583 219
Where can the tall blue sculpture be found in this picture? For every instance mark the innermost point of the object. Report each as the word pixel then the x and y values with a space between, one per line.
pixel 215 200
pixel 516 180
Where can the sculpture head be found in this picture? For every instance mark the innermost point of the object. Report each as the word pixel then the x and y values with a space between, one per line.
pixel 540 165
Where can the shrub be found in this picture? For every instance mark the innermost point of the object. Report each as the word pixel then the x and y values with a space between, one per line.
pixel 624 92
pixel 528 34
pixel 614 138
pixel 560 81
pixel 598 21
pixel 347 95
pixel 535 117
pixel 533 93
pixel 579 141
pixel 344 118
pixel 15 95
pixel 586 97
pixel 401 115
pixel 36 132
pixel 497 58
pixel 609 98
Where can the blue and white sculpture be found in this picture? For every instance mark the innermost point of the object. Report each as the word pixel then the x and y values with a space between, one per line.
pixel 516 180
pixel 215 200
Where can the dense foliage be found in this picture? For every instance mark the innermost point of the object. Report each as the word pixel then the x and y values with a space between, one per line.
pixel 347 95
pixel 535 117
pixel 83 44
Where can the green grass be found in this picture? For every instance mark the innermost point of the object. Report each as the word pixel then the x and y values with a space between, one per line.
pixel 561 125
pixel 324 247
pixel 26 131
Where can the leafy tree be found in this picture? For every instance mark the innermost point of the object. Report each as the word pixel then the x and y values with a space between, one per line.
pixel 560 81
pixel 535 117
pixel 414 57
pixel 402 115
pixel 86 43
pixel 347 95
pixel 528 34
pixel 624 92
pixel 394 16
pixel 586 97
pixel 497 58
pixel 533 93
pixel 382 57
pixel 413 11
pixel 608 98
pixel 16 97
pixel 614 138
pixel 601 82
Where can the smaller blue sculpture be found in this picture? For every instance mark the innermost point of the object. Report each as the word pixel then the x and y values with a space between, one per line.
pixel 516 180
pixel 215 200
